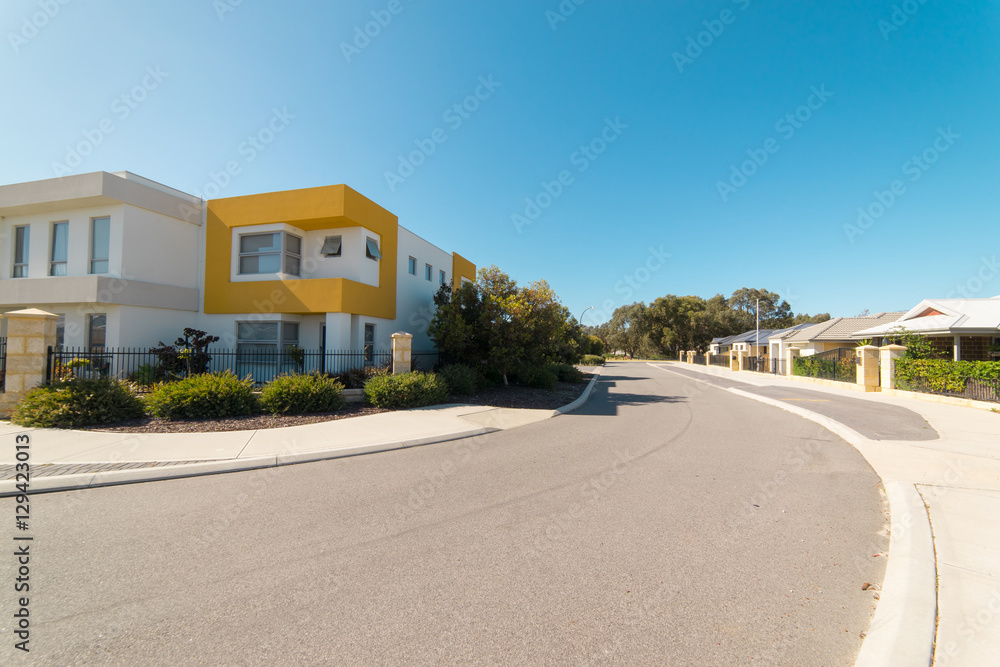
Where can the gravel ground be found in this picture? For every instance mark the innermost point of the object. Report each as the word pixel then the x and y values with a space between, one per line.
pixel 500 397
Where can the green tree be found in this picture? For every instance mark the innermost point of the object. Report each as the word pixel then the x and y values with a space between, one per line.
pixel 496 323
pixel 803 318
pixel 629 329
pixel 775 313
pixel 673 323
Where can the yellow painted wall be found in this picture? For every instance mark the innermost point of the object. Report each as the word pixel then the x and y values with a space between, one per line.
pixel 461 268
pixel 328 207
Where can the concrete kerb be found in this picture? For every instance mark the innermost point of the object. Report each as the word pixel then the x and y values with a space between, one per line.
pixel 583 397
pixel 160 473
pixel 903 629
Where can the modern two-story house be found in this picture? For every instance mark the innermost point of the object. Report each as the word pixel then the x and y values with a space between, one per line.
pixel 127 262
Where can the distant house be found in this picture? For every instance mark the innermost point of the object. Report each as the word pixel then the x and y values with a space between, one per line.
pixel 838 332
pixel 963 328
pixel 776 342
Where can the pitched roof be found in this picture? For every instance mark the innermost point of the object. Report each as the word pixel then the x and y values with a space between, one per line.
pixel 842 328
pixel 944 316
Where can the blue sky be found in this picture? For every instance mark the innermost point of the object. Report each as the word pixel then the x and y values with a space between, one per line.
pixel 653 137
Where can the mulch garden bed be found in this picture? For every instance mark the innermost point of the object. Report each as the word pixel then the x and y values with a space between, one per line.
pixel 500 397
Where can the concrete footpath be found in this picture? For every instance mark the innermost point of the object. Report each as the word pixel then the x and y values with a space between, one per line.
pixel 940 602
pixel 61 460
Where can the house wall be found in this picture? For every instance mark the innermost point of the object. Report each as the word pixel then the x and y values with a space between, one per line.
pixel 156 248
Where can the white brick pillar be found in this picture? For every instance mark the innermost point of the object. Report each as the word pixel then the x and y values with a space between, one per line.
pixel 868 367
pixel 887 357
pixel 402 353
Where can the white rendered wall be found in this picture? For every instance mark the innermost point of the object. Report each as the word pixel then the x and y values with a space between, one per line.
pixel 158 249
pixel 415 294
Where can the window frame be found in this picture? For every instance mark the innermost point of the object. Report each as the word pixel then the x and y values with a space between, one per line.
pixel 369 243
pixel 442 278
pixel 20 269
pixel 428 272
pixel 273 347
pixel 90 331
pixel 412 267
pixel 340 246
pixel 53 262
pixel 93 252
pixel 283 253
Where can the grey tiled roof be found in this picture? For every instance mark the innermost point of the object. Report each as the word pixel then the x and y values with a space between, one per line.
pixel 841 328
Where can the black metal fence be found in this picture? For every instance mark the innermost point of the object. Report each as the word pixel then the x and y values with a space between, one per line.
pixel 757 364
pixel 976 390
pixel 719 360
pixel 839 364
pixel 425 361
pixel 778 366
pixel 144 367
pixel 699 359
pixel 3 363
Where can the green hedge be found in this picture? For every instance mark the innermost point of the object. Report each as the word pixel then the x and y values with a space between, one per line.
pixel 74 403
pixel 567 373
pixel 302 394
pixel 211 395
pixel 592 360
pixel 407 390
pixel 943 376
pixel 539 377
pixel 841 370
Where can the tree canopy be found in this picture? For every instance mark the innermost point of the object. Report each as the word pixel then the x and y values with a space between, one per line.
pixel 497 324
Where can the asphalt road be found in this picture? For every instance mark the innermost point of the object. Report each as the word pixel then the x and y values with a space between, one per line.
pixel 876 421
pixel 665 523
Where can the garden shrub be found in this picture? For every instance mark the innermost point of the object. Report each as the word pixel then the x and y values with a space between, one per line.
pixel 539 377
pixel 462 380
pixel 487 378
pixel 942 376
pixel 567 373
pixel 356 378
pixel 302 394
pixel 74 402
pixel 407 390
pixel 206 396
pixel 592 360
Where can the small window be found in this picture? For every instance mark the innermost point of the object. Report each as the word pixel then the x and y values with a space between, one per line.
pixel 22 246
pixel 263 253
pixel 331 246
pixel 428 271
pixel 413 266
pixel 293 254
pixel 100 244
pixel 371 249
pixel 441 277
pixel 97 329
pixel 60 249
pixel 369 344
pixel 61 330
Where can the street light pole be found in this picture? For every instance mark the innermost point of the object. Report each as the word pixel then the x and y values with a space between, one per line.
pixel 580 321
